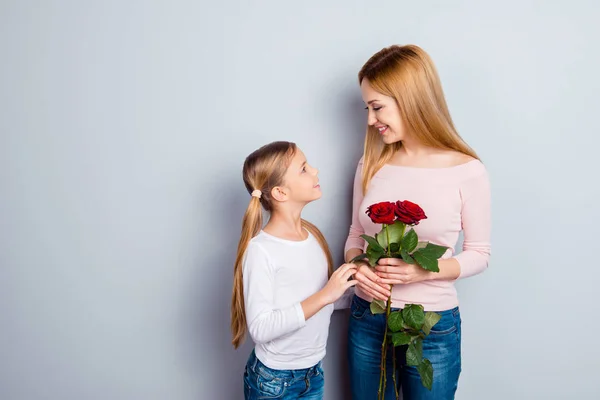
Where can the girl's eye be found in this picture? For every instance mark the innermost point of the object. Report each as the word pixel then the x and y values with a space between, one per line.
pixel 376 108
pixel 303 169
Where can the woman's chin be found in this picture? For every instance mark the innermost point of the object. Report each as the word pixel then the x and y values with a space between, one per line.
pixel 391 139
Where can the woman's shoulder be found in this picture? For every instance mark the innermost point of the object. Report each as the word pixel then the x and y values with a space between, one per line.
pixel 450 158
pixel 459 162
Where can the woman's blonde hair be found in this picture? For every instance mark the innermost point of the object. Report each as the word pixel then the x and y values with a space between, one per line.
pixel 263 170
pixel 408 74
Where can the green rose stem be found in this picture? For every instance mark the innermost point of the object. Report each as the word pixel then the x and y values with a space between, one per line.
pixel 383 376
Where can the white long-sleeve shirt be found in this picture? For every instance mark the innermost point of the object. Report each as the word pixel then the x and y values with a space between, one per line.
pixel 278 274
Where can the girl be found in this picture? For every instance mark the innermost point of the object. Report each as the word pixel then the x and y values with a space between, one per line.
pixel 413 152
pixel 281 290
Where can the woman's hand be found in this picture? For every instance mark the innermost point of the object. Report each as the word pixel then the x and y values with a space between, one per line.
pixel 394 271
pixel 370 283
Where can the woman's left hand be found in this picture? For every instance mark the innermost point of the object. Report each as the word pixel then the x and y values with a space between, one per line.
pixel 395 271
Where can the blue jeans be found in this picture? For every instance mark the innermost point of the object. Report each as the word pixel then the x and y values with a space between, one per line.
pixel 262 382
pixel 441 347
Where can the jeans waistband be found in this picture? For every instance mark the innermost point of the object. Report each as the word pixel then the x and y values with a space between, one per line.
pixel 257 366
pixel 366 304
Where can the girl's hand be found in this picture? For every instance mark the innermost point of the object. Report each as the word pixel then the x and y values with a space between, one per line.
pixel 370 283
pixel 339 283
pixel 394 271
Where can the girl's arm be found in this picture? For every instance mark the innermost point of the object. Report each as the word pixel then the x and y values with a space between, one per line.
pixel 265 321
pixel 335 288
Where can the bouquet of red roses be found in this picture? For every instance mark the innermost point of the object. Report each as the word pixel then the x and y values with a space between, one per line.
pixel 409 326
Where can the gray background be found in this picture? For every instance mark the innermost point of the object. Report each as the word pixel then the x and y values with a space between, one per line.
pixel 124 125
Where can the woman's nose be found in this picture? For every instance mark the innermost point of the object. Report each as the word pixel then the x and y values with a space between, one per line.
pixel 371 120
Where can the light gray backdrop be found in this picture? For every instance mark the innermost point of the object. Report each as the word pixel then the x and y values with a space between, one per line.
pixel 124 125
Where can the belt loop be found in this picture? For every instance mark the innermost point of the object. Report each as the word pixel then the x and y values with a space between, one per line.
pixel 254 361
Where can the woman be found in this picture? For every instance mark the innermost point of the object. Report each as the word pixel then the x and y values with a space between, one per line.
pixel 413 152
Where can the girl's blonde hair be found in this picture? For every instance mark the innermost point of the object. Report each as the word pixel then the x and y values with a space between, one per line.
pixel 408 74
pixel 263 170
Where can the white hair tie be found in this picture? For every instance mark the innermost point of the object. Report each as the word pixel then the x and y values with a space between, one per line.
pixel 257 193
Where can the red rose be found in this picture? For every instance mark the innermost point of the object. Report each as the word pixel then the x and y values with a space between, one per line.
pixel 382 213
pixel 409 213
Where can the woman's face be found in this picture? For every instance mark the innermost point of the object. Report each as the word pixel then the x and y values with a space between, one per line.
pixel 384 114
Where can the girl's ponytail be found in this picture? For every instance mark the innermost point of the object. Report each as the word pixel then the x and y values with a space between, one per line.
pixel 251 225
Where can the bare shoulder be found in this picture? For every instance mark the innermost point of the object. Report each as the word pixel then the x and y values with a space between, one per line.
pixel 451 158
pixel 461 158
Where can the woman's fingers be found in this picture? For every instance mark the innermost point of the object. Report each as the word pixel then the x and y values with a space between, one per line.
pixel 372 286
pixel 371 293
pixel 393 281
pixel 395 269
pixel 384 275
pixel 390 261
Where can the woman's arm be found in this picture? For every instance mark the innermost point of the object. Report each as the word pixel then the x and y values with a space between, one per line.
pixel 476 223
pixel 476 226
pixel 366 277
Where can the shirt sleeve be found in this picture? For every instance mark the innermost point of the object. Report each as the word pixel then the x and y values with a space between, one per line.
pixel 476 226
pixel 354 241
pixel 265 321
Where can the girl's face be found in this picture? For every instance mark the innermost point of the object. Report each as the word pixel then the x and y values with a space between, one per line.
pixel 384 114
pixel 301 181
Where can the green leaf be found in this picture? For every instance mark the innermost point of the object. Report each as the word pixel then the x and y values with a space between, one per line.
pixel 410 241
pixel 395 321
pixel 359 257
pixel 374 256
pixel 401 338
pixel 434 250
pixel 406 257
pixel 425 261
pixel 421 245
pixel 396 231
pixel 414 353
pixel 413 315
pixel 431 319
pixel 426 372
pixel 413 333
pixel 381 239
pixel 377 307
pixel 373 243
pixel 394 247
